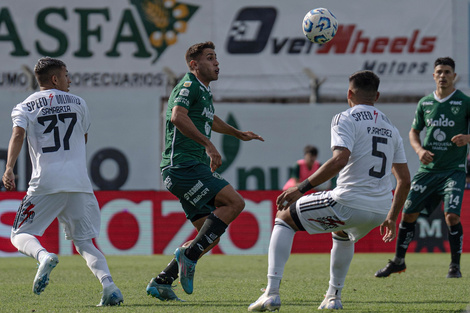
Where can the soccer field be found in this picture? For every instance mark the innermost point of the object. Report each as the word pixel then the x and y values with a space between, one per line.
pixel 230 283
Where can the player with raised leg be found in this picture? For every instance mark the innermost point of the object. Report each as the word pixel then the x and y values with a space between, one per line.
pixel 208 200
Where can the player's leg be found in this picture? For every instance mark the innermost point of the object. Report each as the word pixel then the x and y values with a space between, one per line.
pixel 422 193
pixel 280 247
pixel 82 207
pixel 160 287
pixel 341 256
pixel 454 190
pixel 34 215
pixel 455 242
pixel 356 224
pixel 229 204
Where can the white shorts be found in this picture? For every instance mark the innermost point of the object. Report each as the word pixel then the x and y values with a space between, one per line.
pixel 320 213
pixel 77 212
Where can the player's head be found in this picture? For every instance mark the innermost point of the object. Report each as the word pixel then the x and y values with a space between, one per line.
pixel 309 149
pixel 52 74
pixel 202 61
pixel 444 73
pixel 445 61
pixel 310 154
pixel 363 88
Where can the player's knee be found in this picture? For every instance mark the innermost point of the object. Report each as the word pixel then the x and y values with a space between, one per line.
pixel 239 204
pixel 452 219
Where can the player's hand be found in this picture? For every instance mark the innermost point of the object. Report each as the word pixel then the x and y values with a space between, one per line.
pixel 425 156
pixel 461 140
pixel 248 135
pixel 287 197
pixel 215 157
pixel 388 229
pixel 8 180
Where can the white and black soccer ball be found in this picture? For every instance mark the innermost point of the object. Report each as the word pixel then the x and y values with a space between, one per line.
pixel 320 25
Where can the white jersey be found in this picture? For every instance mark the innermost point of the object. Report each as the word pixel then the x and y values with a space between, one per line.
pixel 56 123
pixel 375 144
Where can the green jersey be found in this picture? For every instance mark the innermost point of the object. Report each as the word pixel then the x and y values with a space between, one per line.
pixel 443 120
pixel 191 94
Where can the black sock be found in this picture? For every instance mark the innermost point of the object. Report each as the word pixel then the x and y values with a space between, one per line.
pixel 212 229
pixel 169 274
pixel 456 242
pixel 406 233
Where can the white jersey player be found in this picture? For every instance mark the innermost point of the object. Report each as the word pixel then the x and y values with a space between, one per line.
pixel 367 149
pixel 55 123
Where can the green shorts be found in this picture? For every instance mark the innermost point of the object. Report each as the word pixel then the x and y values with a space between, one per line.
pixel 429 189
pixel 196 187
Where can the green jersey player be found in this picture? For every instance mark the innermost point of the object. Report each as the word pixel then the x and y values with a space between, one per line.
pixel 188 168
pixel 441 176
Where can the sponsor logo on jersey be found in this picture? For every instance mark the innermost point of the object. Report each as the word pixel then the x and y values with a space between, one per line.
pixel 362 115
pixel 187 84
pixel 217 175
pixel 208 112
pixel 328 222
pixel 453 102
pixel 193 190
pixel 25 214
pixel 442 121
pixel 439 135
pixel 427 103
pixel 455 110
pixel 418 188
pixel 168 183
pixel 184 92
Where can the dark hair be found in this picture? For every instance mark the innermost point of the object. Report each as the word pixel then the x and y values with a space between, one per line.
pixel 445 61
pixel 195 51
pixel 311 149
pixel 46 67
pixel 366 81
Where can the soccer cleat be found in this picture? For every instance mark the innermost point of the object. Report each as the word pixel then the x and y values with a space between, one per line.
pixel 331 303
pixel 454 271
pixel 41 280
pixel 266 303
pixel 111 296
pixel 161 291
pixel 391 268
pixel 187 268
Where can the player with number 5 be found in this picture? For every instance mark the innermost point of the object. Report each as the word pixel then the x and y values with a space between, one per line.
pixel 367 150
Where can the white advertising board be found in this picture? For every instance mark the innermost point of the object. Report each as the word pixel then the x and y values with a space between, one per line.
pixel 119 55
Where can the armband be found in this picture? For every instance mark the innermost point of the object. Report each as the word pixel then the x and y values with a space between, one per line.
pixel 305 186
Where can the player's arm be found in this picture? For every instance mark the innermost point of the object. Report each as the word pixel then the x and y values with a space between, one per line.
pixel 181 120
pixel 14 149
pixel 425 156
pixel 461 140
pixel 402 175
pixel 326 172
pixel 220 126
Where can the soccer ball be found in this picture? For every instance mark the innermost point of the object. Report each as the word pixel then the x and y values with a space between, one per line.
pixel 320 25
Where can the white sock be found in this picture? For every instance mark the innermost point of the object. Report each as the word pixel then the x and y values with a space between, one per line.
pixel 341 256
pixel 95 261
pixel 28 245
pixel 279 252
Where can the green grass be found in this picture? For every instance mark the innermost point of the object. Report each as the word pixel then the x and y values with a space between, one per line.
pixel 231 283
